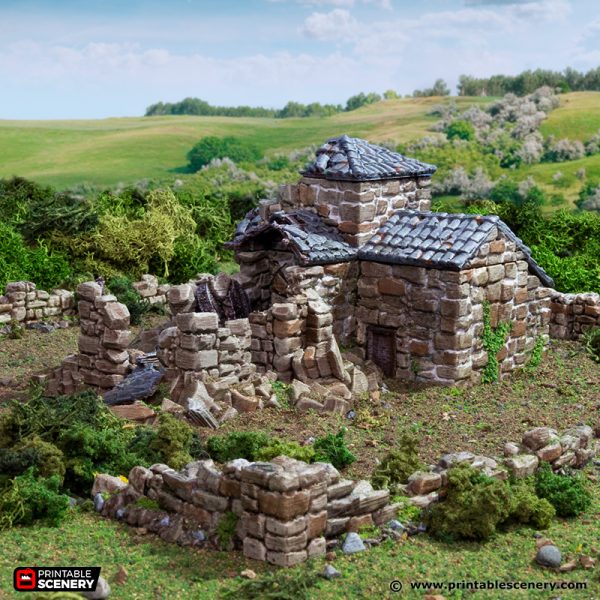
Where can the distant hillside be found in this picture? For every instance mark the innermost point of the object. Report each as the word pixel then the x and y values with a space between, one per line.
pixel 109 151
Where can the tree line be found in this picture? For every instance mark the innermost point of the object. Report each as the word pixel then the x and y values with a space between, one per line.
pixel 198 107
pixel 569 80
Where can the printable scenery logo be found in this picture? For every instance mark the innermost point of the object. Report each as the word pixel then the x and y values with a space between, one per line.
pixel 55 579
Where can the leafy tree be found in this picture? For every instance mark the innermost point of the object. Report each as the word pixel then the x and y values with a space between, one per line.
pixel 211 147
pixel 361 99
pixel 440 88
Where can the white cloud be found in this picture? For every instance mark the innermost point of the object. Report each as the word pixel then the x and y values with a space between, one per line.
pixel 334 25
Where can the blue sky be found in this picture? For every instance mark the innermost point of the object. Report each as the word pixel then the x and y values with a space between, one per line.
pixel 100 58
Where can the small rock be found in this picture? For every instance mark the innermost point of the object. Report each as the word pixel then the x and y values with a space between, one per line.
pixel 330 572
pixel 587 562
pixel 568 566
pixel 248 574
pixel 330 556
pixel 120 514
pixel 165 521
pixel 102 590
pixel 121 575
pixel 543 541
pixel 549 556
pixel 395 525
pixel 198 536
pixel 353 543
pixel 350 415
pixel 98 502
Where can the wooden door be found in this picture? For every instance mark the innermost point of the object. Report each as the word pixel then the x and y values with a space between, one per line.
pixel 381 348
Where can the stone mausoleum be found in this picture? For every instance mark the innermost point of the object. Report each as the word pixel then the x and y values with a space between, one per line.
pixel 352 256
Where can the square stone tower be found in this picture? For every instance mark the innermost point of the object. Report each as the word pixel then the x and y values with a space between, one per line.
pixel 356 186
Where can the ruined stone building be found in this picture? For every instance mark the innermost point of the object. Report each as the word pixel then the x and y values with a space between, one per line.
pixel 351 256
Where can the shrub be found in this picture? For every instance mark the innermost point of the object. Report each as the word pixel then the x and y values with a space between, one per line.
pixel 279 447
pixel 463 130
pixel 527 508
pixel 398 464
pixel 474 506
pixel 28 498
pixel 173 441
pixel 568 494
pixel 237 444
pixel 332 448
pixel 211 147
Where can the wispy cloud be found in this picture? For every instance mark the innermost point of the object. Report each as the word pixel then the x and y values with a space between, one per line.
pixel 334 25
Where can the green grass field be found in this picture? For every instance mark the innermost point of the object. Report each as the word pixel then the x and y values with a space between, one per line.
pixel 109 151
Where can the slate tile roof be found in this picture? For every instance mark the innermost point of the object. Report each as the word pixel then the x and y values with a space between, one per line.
pixel 439 240
pixel 354 159
pixel 308 236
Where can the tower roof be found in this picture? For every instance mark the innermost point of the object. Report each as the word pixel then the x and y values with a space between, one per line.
pixel 355 159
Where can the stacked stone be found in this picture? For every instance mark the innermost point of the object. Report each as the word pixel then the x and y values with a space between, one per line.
pixel 352 506
pixel 358 209
pixel 103 359
pixel 197 344
pixel 149 289
pixel 284 516
pixel 261 345
pixel 574 448
pixel 181 298
pixel 573 314
pixel 24 303
pixel 288 321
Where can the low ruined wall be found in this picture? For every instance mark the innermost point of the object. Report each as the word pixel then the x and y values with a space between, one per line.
pixel 574 448
pixel 103 360
pixel 149 289
pixel 23 303
pixel 286 508
pixel 573 314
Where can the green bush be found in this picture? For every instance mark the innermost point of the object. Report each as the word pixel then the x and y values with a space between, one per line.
pixel 463 130
pixel 237 444
pixel 398 464
pixel 473 508
pixel 173 441
pixel 29 498
pixel 527 508
pixel 332 448
pixel 279 447
pixel 568 494
pixel 282 584
pixel 211 147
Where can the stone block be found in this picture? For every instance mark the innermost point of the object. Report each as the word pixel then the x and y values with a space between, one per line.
pixel 197 322
pixel 420 483
pixel 285 506
pixel 196 361
pixel 254 549
pixel 89 290
pixel 286 559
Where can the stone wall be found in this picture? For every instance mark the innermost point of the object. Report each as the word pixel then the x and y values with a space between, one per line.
pixel 149 289
pixel 23 303
pixel 358 209
pixel 437 315
pixel 286 508
pixel 103 360
pixel 574 448
pixel 573 314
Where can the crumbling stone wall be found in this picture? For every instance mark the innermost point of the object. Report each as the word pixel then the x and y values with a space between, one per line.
pixel 149 289
pixel 574 448
pixel 286 508
pixel 358 209
pixel 573 314
pixel 23 303
pixel 103 360
pixel 437 315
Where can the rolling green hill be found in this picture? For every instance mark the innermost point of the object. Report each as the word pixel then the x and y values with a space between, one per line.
pixel 110 151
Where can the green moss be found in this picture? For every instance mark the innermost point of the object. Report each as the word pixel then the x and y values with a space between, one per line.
pixel 238 444
pixel 279 447
pixel 148 503
pixel 226 529
pixel 173 441
pixel 493 341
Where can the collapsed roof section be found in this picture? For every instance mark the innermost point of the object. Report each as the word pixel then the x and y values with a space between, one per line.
pixel 302 231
